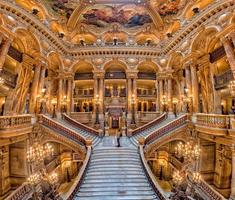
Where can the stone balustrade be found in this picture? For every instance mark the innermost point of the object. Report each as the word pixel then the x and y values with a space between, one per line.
pixel 152 180
pixel 148 125
pixel 82 117
pixel 13 122
pixel 166 129
pixel 67 132
pixel 209 191
pixel 81 126
pixel 213 120
pixel 20 192
pixel 78 180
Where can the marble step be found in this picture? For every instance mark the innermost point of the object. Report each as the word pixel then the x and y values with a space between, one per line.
pixel 115 189
pixel 149 197
pixel 121 172
pixel 116 184
pixel 115 169
pixel 114 176
pixel 117 180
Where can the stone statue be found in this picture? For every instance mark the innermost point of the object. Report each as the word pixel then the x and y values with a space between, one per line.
pixel 106 119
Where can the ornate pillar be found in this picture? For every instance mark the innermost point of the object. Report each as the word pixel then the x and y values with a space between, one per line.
pixel 59 94
pixel 232 195
pixel 69 95
pixel 34 88
pixel 4 50
pixel 160 93
pixel 101 93
pixel 232 36
pixel 23 83
pixel 188 79
pixel 129 93
pixel 229 53
pixel 195 88
pixel 42 78
pixel 169 83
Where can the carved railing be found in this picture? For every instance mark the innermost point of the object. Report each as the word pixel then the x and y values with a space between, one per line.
pixel 20 192
pixel 222 80
pixel 151 178
pixel 82 117
pixel 166 129
pixel 81 126
pixel 205 189
pixel 79 179
pixel 83 76
pixel 13 122
pixel 213 120
pixel 67 132
pixel 146 76
pixel 148 125
pixel 115 75
pixel 145 117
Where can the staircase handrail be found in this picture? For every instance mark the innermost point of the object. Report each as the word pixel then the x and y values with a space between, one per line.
pixel 20 192
pixel 206 188
pixel 152 180
pixel 57 126
pixel 166 128
pixel 149 124
pixel 81 126
pixel 79 179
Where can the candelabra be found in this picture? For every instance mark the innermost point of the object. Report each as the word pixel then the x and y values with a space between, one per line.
pixel 175 102
pixel 54 103
pixel 164 103
pixel 187 98
pixel 64 103
pixel 177 177
pixel 133 101
pixel 97 103
pixel 42 97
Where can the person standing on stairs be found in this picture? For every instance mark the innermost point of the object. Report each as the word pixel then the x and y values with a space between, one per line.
pixel 118 135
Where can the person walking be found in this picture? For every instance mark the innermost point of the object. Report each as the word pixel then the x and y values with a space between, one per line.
pixel 118 138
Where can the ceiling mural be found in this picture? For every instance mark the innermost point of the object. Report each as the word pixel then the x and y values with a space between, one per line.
pixel 61 8
pixel 168 7
pixel 127 15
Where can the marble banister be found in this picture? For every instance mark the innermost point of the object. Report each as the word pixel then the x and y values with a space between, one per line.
pixel 166 129
pixel 205 189
pixel 69 133
pixel 20 193
pixel 13 122
pixel 81 126
pixel 213 120
pixel 148 125
pixel 152 180
pixel 78 180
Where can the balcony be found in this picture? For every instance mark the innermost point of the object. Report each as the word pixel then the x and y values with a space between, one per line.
pixel 146 93
pixel 83 76
pixel 146 76
pixel 9 78
pixel 115 75
pixel 221 81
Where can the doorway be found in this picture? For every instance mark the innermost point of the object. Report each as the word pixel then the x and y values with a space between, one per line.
pixel 115 122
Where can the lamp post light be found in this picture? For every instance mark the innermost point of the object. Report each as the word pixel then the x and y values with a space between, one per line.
pixel 175 102
pixel 97 103
pixel 161 164
pixel 64 103
pixel 42 99
pixel 133 109
pixel 54 103
pixel 164 103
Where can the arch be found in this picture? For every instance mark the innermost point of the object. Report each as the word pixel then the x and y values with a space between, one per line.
pixel 175 61
pixel 54 61
pixel 115 65
pixel 82 66
pixel 149 66
pixel 28 42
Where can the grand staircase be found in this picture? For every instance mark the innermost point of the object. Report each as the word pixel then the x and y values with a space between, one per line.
pixel 115 173
pixel 135 138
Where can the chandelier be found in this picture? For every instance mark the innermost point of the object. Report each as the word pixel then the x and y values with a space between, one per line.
pixel 232 87
pixel 34 179
pixel 188 151
pixel 38 152
pixel 196 177
pixel 177 178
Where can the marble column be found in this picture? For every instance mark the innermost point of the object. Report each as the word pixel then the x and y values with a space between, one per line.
pixel 3 52
pixel 158 95
pixel 96 91
pixel 169 84
pixel 195 88
pixel 232 36
pixel 34 88
pixel 59 94
pixel 134 91
pixel 42 78
pixel 101 93
pixel 161 93
pixel 129 90
pixel 188 80
pixel 232 195
pixel 69 95
pixel 228 47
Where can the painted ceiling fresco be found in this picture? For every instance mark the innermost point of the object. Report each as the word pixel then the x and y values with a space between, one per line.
pixel 168 7
pixel 128 15
pixel 61 8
